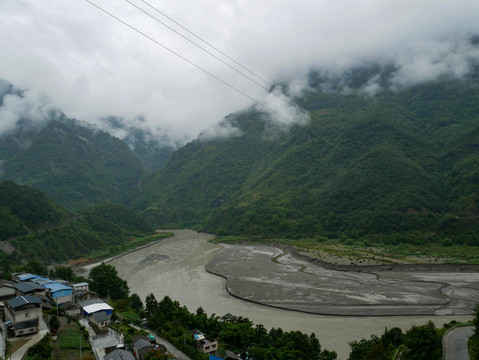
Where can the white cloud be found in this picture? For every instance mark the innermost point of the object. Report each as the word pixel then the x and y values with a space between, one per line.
pixel 31 106
pixel 92 66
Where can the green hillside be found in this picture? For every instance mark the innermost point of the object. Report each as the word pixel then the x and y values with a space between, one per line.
pixel 75 165
pixel 400 164
pixel 37 228
pixel 24 210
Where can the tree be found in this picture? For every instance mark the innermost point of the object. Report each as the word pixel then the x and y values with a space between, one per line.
pixel 151 304
pixel 135 302
pixel 54 324
pixel 62 272
pixel 41 350
pixel 106 282
pixel 35 267
pixel 423 343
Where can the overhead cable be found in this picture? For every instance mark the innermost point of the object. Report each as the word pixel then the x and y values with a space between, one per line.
pixel 292 102
pixel 188 61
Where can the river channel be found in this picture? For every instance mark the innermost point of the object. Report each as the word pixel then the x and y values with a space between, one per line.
pixel 176 267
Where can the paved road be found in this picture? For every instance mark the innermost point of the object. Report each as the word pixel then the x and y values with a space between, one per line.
pixel 455 343
pixel 17 355
pixel 169 346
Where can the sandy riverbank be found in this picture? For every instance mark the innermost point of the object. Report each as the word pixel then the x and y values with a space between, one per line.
pixel 284 279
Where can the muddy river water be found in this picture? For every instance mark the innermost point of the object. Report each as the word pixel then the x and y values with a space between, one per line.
pixel 176 267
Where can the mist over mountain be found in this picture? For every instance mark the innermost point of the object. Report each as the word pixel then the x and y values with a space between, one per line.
pixel 375 149
pixel 399 162
pixel 74 162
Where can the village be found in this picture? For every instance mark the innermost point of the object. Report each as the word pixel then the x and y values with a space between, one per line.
pixel 34 307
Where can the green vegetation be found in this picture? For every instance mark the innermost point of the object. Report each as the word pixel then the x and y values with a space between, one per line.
pixel 473 342
pixel 105 281
pixel 42 350
pixel 50 233
pixel 418 343
pixel 23 209
pixel 75 165
pixel 399 167
pixel 235 333
pixel 69 337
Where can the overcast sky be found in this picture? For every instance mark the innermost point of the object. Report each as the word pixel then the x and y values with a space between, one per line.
pixel 91 65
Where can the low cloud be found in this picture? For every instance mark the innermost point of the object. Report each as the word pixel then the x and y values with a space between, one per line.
pixel 31 106
pixel 94 67
pixel 223 129
pixel 282 108
pixel 427 61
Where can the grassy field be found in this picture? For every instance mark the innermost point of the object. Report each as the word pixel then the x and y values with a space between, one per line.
pixel 67 344
pixel 364 253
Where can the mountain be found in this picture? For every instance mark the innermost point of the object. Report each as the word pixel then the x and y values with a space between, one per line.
pixel 75 164
pixel 32 226
pixel 399 163
pixel 153 151
pixel 26 210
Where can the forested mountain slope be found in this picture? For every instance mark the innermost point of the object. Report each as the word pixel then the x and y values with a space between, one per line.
pixel 37 228
pixel 76 165
pixel 398 162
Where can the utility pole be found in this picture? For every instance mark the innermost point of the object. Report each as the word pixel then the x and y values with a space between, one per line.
pixel 80 346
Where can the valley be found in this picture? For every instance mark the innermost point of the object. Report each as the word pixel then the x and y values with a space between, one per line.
pixel 175 267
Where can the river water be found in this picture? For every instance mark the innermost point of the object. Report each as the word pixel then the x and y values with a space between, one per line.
pixel 176 267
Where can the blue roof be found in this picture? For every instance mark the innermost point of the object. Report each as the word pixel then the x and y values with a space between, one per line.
pixel 42 281
pixel 214 358
pixel 53 286
pixel 25 277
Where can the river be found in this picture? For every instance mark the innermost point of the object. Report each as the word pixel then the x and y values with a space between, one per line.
pixel 176 267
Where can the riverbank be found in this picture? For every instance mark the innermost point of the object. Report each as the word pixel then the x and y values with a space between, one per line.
pixel 83 268
pixel 179 272
pixel 280 277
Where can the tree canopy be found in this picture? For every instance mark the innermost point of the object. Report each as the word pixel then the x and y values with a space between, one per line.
pixel 105 281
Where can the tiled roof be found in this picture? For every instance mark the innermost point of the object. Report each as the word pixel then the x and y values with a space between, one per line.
pixel 23 300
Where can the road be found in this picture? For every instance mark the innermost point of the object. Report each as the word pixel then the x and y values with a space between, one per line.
pixel 455 343
pixel 18 355
pixel 169 346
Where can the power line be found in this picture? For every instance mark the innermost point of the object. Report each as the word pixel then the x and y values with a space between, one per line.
pixel 206 42
pixel 188 61
pixel 292 103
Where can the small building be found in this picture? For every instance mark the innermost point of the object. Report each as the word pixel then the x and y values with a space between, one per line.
pixel 7 290
pixel 84 295
pixel 24 277
pixel 90 307
pixel 42 281
pixel 141 347
pixel 119 354
pixel 71 308
pixel 58 292
pixel 26 327
pixel 79 287
pixel 29 288
pixel 101 319
pixel 20 310
pixel 207 346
